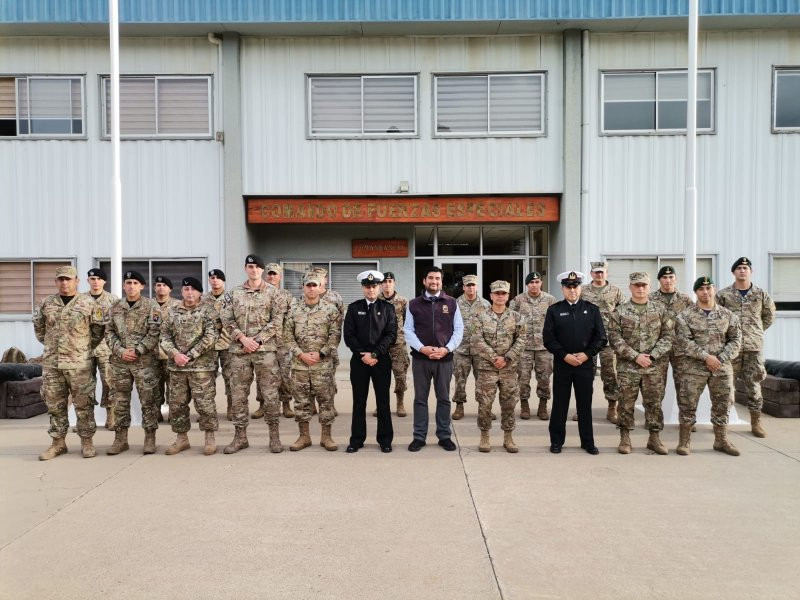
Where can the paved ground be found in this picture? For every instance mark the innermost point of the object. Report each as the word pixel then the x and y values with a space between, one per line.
pixel 435 524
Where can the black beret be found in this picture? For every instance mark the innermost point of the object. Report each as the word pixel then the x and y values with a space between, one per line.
pixel 741 261
pixel 165 280
pixel 195 283
pixel 217 273
pixel 134 275
pixel 97 272
pixel 665 270
pixel 388 275
pixel 531 276
pixel 254 259
pixel 701 281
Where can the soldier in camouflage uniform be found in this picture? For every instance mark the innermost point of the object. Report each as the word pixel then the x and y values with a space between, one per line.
pixel 70 326
pixel 398 351
pixel 252 316
pixel 188 336
pixel 606 297
pixel 97 280
pixel 470 305
pixel 336 299
pixel 756 312
pixel 641 333
pixel 215 297
pixel 311 331
pixel 533 304
pixel 710 338
pixel 498 341
pixel 163 288
pixel 132 336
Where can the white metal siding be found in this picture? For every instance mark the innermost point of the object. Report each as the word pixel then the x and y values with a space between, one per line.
pixel 278 159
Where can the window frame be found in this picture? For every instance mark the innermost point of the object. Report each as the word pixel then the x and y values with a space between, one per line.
pixel 776 69
pixel 435 133
pixel 327 261
pixel 602 132
pixel 149 289
pixel 103 80
pixel 789 312
pixel 666 259
pixel 310 135
pixel 47 136
pixel 26 316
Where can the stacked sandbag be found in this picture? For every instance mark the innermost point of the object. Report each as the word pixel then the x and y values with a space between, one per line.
pixel 20 386
pixel 780 389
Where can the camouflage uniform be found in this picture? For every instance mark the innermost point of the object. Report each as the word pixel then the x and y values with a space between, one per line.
pixel 222 344
pixel 535 358
pixel 163 377
pixel 756 312
pixel 336 299
pixel 632 331
pixel 135 327
pixel 673 304
pixel 102 353
pixel 255 313
pixel 606 298
pixel 699 335
pixel 193 332
pixel 493 335
pixel 283 301
pixel 316 328
pixel 70 333
pixel 462 361
pixel 398 351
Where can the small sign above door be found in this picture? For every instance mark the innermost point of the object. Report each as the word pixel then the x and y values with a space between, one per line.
pixel 380 248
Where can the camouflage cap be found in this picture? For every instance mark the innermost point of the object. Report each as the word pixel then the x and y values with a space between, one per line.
pixel 469 279
pixel 312 277
pixel 701 281
pixel 665 270
pixel 66 271
pixel 321 270
pixel 640 277
pixel 599 265
pixel 743 260
pixel 500 286
pixel 274 268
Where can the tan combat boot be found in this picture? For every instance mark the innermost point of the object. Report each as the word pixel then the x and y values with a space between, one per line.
pixel 525 410
pixel 239 441
pixel 304 440
pixel 87 448
pixel 485 445
pixel 542 412
pixel 721 443
pixel 211 444
pixel 326 441
pixel 654 444
pixel 111 420
pixel 755 424
pixel 508 443
pixel 57 447
pixel 401 409
pixel 275 445
pixel 149 442
pixel 259 413
pixel 685 433
pixel 624 442
pixel 120 441
pixel 288 413
pixel 612 415
pixel 458 413
pixel 180 444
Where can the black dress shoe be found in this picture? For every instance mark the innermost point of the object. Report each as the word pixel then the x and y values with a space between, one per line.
pixel 447 444
pixel 386 449
pixel 592 449
pixel 351 449
pixel 416 445
pixel 555 448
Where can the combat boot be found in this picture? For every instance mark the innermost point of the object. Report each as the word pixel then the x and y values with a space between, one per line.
pixel 288 413
pixel 401 409
pixel 239 441
pixel 624 442
pixel 87 448
pixel 111 420
pixel 542 412
pixel 57 447
pixel 180 444
pixel 721 443
pixel 149 442
pixel 508 443
pixel 304 440
pixel 612 415
pixel 525 410
pixel 211 444
pixel 275 445
pixel 755 424
pixel 120 441
pixel 259 413
pixel 685 433
pixel 326 441
pixel 654 444
pixel 485 445
pixel 458 413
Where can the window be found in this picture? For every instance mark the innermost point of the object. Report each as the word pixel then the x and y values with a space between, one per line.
pixel 786 100
pixel 489 105
pixel 41 106
pixel 362 106
pixel 26 283
pixel 785 279
pixel 175 270
pixel 620 268
pixel 654 102
pixel 341 277
pixel 160 106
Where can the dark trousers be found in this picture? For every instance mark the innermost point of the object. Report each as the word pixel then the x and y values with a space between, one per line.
pixel 565 378
pixel 381 376
pixel 440 373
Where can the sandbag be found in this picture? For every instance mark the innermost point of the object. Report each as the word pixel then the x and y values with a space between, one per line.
pixel 784 368
pixel 17 372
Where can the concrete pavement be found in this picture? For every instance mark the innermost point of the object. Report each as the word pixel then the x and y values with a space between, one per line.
pixel 433 524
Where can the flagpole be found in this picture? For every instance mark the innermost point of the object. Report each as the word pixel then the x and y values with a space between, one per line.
pixel 116 180
pixel 690 200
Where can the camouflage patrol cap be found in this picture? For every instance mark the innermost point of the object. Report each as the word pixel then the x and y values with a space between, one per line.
pixel 701 281
pixel 66 271
pixel 665 270
pixel 500 286
pixel 313 278
pixel 532 276
pixel 192 282
pixel 321 270
pixel 640 277
pixel 467 279
pixel 273 268
pixel 741 261
pixel 599 265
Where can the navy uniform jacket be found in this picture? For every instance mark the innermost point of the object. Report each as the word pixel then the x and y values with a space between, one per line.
pixel 573 329
pixel 370 331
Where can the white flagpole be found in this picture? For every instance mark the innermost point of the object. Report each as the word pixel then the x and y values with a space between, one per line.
pixel 690 202
pixel 116 180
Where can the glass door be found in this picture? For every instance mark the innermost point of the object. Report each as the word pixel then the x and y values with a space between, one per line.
pixel 454 270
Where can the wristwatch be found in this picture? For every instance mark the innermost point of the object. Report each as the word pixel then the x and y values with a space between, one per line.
pixel 373 355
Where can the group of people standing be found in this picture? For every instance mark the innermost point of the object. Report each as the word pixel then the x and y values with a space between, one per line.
pixel 171 350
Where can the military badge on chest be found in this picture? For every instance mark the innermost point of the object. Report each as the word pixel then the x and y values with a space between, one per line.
pixel 445 309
